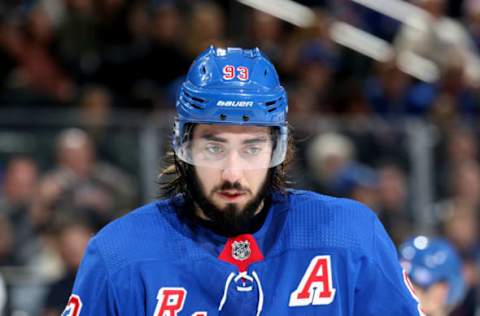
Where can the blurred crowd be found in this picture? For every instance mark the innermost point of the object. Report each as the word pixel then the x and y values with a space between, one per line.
pixel 99 57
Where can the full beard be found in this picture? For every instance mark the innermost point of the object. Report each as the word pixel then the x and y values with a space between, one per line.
pixel 231 220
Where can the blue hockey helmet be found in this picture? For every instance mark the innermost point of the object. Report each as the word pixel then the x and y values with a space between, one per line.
pixel 431 260
pixel 231 86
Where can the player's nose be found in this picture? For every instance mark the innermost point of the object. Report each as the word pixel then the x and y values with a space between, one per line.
pixel 232 170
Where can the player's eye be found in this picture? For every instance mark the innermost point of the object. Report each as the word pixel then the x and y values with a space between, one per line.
pixel 253 150
pixel 214 149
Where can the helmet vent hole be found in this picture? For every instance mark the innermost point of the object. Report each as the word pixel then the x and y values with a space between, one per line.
pixel 195 106
pixel 198 99
pixel 270 103
pixel 245 118
pixel 272 109
pixel 223 117
pixel 265 72
pixel 203 70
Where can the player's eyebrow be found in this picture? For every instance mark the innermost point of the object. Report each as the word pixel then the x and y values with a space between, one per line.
pixel 257 139
pixel 214 138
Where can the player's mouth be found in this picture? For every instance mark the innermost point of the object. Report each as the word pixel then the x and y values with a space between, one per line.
pixel 231 195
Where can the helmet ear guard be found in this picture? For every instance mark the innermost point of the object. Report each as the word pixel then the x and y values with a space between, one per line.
pixel 232 86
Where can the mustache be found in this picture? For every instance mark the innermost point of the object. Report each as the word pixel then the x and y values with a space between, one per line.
pixel 227 185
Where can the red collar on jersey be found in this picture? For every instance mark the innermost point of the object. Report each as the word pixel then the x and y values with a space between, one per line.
pixel 241 251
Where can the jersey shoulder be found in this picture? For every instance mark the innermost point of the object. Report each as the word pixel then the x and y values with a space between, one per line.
pixel 316 220
pixel 143 234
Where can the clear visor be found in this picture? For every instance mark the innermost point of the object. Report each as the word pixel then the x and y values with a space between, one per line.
pixel 232 147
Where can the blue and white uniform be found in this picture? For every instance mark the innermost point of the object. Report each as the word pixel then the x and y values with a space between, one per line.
pixel 314 255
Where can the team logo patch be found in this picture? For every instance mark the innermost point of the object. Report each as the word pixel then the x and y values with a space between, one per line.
pixel 74 306
pixel 241 250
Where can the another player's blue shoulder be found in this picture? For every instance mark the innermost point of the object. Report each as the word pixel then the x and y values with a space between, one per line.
pixel 316 220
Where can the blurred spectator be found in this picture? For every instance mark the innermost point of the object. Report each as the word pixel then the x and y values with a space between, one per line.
pixel 450 99
pixel 76 40
pixel 166 60
pixel 300 48
pixel 7 60
pixel 138 24
pixel 71 241
pixel 127 46
pixel 350 100
pixel 82 185
pixel 460 146
pixel 7 237
pixel 471 10
pixel 316 68
pixel 459 213
pixel 459 222
pixel 460 225
pixel 437 37
pixel 112 29
pixel 266 32
pixel 18 190
pixel 20 179
pixel 455 98
pixel 387 89
pixel 334 170
pixel 297 39
pixel 55 9
pixel 359 182
pixel 95 110
pixel 39 74
pixel 327 154
pixel 207 27
pixel 167 24
pixel 392 205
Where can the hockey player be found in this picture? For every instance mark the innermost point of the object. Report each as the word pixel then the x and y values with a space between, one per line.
pixel 435 270
pixel 231 239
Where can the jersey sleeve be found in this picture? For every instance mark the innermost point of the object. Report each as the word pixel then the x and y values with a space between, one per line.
pixel 382 287
pixel 93 293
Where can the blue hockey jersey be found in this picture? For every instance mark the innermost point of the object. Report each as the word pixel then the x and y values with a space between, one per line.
pixel 314 255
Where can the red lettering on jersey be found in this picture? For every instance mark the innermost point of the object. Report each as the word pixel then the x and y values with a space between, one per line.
pixel 74 306
pixel 170 301
pixel 199 314
pixel 316 287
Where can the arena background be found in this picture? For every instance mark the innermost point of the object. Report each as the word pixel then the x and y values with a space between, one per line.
pixel 384 102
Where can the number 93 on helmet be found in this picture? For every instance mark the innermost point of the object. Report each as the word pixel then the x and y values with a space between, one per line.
pixel 231 112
